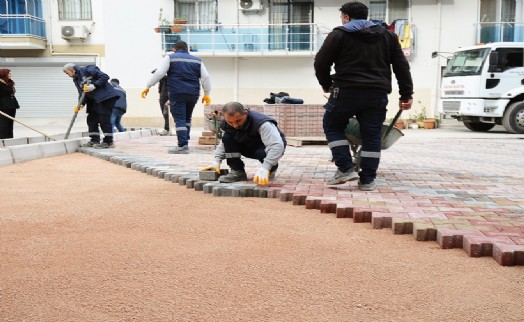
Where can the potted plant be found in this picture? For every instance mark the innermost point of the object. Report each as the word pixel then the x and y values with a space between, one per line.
pixel 181 20
pixel 400 124
pixel 429 123
pixel 163 23
pixel 177 24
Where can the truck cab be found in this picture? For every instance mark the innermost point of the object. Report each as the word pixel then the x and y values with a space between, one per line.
pixel 483 86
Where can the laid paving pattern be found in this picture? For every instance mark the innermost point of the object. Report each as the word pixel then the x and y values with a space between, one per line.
pixel 461 193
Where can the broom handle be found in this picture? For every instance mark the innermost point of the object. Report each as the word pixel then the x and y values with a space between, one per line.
pixel 17 121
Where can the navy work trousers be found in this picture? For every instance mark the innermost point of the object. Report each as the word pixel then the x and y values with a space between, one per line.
pixel 369 107
pixel 99 114
pixel 182 106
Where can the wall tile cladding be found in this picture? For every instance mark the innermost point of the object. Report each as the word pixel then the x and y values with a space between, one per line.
pixel 293 119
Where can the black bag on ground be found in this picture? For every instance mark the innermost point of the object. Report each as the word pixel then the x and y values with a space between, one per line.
pixel 273 97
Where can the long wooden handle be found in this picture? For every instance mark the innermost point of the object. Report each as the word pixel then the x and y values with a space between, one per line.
pixel 17 121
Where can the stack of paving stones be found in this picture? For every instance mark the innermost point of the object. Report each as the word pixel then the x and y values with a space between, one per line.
pixel 473 200
pixel 293 119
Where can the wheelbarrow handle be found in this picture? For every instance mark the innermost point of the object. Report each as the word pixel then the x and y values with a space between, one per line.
pixel 390 127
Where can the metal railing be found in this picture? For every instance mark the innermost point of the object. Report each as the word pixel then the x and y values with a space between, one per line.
pixel 22 25
pixel 237 38
pixel 487 32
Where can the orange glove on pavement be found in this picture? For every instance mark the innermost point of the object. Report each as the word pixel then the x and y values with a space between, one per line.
pixel 215 166
pixel 262 176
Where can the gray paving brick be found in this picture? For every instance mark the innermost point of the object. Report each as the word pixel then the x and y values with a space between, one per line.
pixel 51 149
pixel 36 139
pixel 26 152
pixel 14 142
pixel 5 157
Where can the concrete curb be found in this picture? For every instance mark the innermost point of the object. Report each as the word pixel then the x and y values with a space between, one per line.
pixel 31 148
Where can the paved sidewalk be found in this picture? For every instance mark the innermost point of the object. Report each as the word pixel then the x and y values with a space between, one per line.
pixel 458 188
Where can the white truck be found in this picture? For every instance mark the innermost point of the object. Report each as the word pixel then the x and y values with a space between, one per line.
pixel 483 86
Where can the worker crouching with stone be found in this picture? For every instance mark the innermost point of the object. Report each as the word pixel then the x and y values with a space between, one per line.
pixel 250 134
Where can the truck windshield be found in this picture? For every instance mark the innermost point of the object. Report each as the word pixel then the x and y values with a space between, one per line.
pixel 466 62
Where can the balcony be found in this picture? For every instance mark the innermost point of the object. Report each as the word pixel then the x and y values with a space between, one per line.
pixel 246 40
pixel 22 32
pixel 488 32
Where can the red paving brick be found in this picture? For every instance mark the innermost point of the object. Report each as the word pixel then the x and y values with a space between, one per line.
pixel 435 189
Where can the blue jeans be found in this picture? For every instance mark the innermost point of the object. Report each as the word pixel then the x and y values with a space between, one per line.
pixel 182 106
pixel 369 107
pixel 116 117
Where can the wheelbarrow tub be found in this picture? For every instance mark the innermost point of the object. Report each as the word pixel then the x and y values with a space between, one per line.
pixel 352 133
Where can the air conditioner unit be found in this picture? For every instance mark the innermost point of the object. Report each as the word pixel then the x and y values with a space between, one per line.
pixel 74 32
pixel 250 5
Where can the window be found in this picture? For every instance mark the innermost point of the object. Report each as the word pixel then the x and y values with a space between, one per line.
pixel 21 7
pixel 74 10
pixel 377 10
pixel 388 10
pixel 197 11
pixel 294 37
pixel 23 17
pixel 497 21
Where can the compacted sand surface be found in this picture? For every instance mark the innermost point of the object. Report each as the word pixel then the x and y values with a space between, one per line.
pixel 82 239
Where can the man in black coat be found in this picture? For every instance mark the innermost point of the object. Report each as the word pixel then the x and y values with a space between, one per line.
pixel 363 55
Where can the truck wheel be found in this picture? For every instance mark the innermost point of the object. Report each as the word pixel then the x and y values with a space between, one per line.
pixel 478 126
pixel 513 119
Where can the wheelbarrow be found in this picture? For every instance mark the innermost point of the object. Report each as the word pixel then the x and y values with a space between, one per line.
pixel 213 123
pixel 390 135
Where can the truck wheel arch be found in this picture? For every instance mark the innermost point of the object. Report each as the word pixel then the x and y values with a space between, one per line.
pixel 513 118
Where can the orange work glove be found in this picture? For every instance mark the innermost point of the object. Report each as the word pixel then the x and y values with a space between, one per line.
pixel 262 176
pixel 206 99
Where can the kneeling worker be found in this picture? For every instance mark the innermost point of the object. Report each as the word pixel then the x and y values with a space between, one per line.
pixel 253 135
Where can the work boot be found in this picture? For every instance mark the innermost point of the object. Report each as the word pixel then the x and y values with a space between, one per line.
pixel 90 144
pixel 233 176
pixel 342 177
pixel 273 172
pixel 366 186
pixel 104 145
pixel 179 150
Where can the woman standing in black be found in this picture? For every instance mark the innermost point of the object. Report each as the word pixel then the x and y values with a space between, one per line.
pixel 8 103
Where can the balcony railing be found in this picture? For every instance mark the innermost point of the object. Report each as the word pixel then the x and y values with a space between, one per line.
pixel 235 39
pixel 22 25
pixel 487 32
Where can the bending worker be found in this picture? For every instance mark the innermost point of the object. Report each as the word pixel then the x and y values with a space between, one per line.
pixel 100 100
pixel 253 135
pixel 184 72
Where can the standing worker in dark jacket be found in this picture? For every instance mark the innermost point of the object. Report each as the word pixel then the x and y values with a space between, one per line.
pixel 185 73
pixel 100 99
pixel 8 103
pixel 363 54
pixel 120 107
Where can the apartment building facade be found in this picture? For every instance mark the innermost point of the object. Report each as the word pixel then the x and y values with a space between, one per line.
pixel 250 47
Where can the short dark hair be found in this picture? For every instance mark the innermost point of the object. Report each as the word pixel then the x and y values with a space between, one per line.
pixel 180 45
pixel 115 80
pixel 355 10
pixel 233 107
